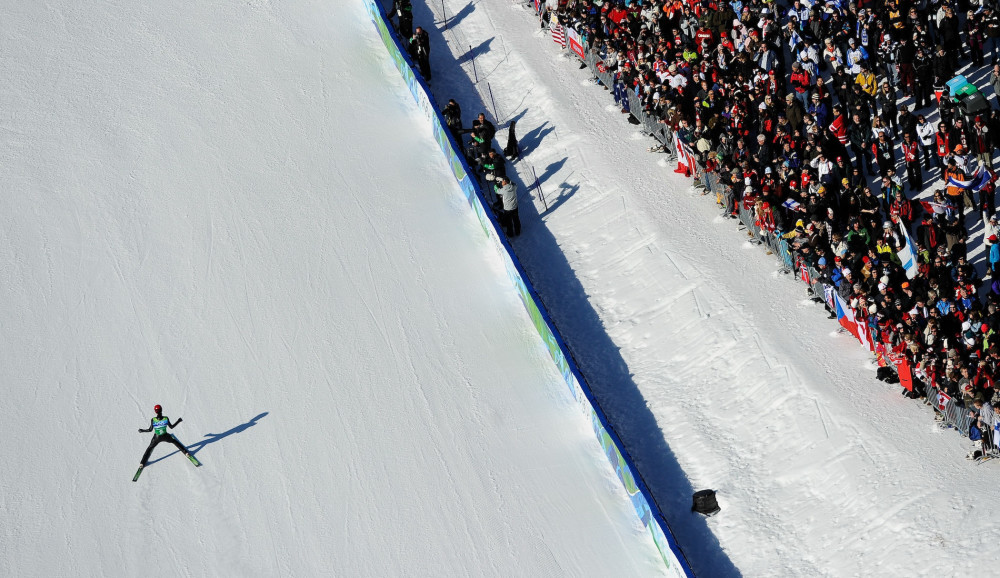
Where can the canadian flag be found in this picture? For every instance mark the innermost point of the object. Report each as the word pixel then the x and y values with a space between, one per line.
pixel 942 401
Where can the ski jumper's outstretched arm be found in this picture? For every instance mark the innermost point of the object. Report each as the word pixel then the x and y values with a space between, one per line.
pixel 176 423
pixel 150 427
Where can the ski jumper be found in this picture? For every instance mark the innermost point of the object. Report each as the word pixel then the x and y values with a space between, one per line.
pixel 159 425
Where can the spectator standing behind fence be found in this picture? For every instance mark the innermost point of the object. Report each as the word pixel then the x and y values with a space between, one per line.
pixel 452 113
pixel 509 219
pixel 404 11
pixel 486 129
pixel 986 418
pixel 420 50
pixel 493 166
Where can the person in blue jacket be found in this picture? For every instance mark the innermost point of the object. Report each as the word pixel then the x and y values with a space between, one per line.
pixel 994 254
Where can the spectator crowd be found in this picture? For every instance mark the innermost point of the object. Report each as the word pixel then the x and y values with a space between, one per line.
pixel 832 124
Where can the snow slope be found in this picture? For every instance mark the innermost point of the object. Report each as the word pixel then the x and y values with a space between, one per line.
pixel 234 210
pixel 717 371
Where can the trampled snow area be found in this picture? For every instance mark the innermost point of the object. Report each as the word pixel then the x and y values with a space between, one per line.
pixel 717 371
pixel 235 210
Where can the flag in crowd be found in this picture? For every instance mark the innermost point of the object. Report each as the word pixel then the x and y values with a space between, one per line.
pixel 857 328
pixel 575 42
pixel 685 157
pixel 908 253
pixel 558 34
pixel 792 205
pixel 905 375
pixel 942 401
pixel 974 182
pixel 932 207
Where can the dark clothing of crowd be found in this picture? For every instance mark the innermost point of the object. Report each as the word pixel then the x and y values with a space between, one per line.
pixel 815 120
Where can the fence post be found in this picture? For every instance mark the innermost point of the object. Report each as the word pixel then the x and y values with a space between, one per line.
pixel 444 15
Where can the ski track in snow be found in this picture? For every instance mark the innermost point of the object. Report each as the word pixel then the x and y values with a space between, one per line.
pixel 234 209
pixel 713 368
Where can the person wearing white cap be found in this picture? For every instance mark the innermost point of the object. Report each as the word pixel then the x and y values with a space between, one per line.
pixel 992 229
pixel 845 287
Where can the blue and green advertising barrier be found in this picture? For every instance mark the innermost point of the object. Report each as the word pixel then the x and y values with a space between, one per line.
pixel 642 500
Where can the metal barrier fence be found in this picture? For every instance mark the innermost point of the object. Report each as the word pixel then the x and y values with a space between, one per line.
pixel 656 129
pixel 956 414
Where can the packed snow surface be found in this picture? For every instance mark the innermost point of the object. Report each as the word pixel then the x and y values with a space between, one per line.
pixel 234 209
pixel 717 371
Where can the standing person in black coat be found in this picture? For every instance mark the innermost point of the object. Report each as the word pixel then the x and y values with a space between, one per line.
pixel 512 151
pixel 404 11
pixel 420 50
pixel 486 129
pixel 923 76
pixel 885 100
pixel 452 114
pixel 493 166
pixel 943 67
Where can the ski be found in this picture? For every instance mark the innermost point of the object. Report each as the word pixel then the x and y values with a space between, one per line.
pixel 193 459
pixel 138 472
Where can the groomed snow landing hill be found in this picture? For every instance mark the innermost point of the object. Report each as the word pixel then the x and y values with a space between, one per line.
pixel 234 209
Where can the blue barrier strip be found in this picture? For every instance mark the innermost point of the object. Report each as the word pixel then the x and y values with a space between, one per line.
pixel 640 496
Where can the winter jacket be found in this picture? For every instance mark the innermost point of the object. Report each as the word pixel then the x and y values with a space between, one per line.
pixel 859 135
pixel 926 133
pixel 508 196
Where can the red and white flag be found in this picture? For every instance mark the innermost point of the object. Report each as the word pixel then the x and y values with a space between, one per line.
pixel 804 274
pixel 864 336
pixel 558 34
pixel 856 327
pixel 575 42
pixel 684 164
pixel 905 375
pixel 942 401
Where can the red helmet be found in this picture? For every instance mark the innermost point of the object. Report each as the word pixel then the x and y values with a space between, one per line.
pixel 157 408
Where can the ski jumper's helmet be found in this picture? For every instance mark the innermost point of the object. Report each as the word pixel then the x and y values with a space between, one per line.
pixel 157 408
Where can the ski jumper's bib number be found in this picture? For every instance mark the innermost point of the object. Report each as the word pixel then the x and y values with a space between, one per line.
pixel 160 425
